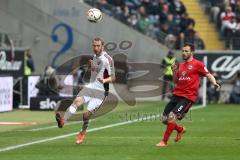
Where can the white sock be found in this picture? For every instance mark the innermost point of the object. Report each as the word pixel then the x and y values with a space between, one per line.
pixel 72 109
pixel 69 112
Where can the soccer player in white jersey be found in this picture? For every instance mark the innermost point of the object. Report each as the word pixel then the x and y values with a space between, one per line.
pixel 102 73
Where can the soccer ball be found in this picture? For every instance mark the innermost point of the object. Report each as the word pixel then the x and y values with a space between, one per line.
pixel 94 15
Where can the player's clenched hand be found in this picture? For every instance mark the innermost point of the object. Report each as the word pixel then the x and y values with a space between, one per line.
pixel 101 80
pixel 175 67
pixel 217 86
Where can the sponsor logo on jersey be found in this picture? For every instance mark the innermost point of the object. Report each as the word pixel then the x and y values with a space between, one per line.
pixel 184 78
pixel 95 69
pixel 190 67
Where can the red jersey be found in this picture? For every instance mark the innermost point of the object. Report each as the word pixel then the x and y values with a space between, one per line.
pixel 188 79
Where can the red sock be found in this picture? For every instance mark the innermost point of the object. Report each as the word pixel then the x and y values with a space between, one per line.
pixel 170 127
pixel 178 127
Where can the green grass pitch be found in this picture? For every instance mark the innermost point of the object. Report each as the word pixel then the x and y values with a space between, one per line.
pixel 212 134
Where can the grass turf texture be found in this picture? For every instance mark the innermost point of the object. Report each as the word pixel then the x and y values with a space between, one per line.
pixel 212 133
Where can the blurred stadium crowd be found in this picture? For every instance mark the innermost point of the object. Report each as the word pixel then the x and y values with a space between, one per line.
pixel 226 15
pixel 168 21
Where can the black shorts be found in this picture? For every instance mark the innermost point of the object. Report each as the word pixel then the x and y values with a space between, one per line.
pixel 179 106
pixel 167 78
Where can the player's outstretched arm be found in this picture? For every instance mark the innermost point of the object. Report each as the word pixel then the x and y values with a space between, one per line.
pixel 213 80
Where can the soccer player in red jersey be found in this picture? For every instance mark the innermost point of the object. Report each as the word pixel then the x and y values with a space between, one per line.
pixel 186 76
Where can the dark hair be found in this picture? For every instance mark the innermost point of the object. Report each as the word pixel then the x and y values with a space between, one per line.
pixel 189 45
pixel 99 39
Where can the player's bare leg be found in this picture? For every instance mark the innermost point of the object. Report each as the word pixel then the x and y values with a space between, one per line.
pixel 80 137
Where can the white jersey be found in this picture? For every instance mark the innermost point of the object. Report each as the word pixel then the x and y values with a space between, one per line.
pixel 101 67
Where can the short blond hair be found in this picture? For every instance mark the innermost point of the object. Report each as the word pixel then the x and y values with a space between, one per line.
pixel 99 39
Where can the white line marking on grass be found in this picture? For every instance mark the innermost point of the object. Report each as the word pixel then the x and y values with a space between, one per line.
pixel 72 134
pixel 71 123
pixel 51 127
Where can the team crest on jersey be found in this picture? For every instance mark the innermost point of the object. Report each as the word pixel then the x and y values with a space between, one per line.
pixel 190 67
pixel 183 73
pixel 99 62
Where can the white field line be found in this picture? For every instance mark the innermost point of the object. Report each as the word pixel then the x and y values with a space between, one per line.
pixel 71 123
pixel 72 134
